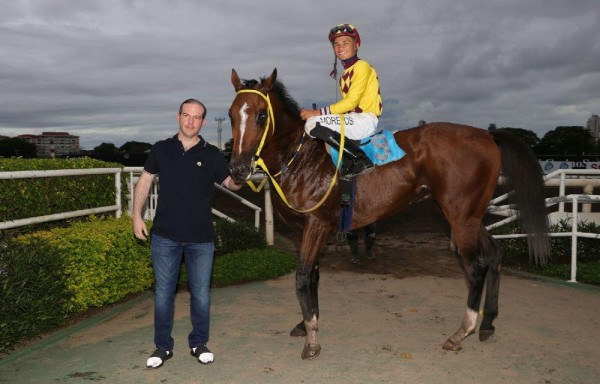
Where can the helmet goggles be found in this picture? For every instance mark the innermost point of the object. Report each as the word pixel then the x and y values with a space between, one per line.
pixel 348 28
pixel 344 30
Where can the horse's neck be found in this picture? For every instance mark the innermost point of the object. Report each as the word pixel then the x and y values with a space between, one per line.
pixel 287 143
pixel 299 167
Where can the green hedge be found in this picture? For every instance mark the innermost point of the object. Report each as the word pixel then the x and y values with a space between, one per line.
pixel 252 265
pixel 23 198
pixel 33 293
pixel 102 262
pixel 49 275
pixel 235 236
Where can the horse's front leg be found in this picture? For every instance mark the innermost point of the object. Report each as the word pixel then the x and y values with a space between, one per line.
pixel 307 283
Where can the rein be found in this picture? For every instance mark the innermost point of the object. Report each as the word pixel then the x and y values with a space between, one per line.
pixel 259 162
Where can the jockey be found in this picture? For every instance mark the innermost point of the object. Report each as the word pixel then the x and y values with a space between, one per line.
pixel 361 102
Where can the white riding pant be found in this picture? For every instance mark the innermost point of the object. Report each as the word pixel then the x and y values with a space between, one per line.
pixel 357 125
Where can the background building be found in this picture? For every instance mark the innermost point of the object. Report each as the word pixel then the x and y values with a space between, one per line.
pixel 50 144
pixel 593 125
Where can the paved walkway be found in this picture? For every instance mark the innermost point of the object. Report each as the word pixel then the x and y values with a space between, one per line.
pixel 374 329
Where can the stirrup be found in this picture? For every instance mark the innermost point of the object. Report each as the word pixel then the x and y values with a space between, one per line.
pixel 356 167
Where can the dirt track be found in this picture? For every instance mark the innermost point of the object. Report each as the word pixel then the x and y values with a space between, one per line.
pixel 373 329
pixel 381 322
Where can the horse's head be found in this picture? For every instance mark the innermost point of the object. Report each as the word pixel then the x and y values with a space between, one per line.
pixel 251 123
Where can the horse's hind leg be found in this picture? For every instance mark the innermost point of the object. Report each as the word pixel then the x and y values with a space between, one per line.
pixel 476 250
pixel 490 308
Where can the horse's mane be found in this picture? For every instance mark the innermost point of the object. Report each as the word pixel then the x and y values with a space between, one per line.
pixel 289 104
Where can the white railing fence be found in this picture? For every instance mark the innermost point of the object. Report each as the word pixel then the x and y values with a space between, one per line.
pixel 150 208
pixel 587 179
pixel 65 215
pixel 117 208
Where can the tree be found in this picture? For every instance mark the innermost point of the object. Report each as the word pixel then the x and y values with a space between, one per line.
pixel 228 146
pixel 134 153
pixel 108 148
pixel 566 141
pixel 106 152
pixel 14 146
pixel 529 137
pixel 228 149
pixel 135 147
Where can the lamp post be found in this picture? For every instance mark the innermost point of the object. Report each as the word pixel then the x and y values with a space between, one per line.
pixel 219 120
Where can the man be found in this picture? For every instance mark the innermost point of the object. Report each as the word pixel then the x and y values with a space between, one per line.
pixel 188 167
pixel 361 102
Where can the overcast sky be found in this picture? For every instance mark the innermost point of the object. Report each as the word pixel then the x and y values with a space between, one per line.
pixel 117 70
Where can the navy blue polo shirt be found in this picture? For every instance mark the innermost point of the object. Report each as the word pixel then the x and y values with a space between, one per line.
pixel 185 189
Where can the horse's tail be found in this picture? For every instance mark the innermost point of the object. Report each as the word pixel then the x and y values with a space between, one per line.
pixel 523 173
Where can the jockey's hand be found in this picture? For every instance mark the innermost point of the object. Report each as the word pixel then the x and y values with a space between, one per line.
pixel 306 114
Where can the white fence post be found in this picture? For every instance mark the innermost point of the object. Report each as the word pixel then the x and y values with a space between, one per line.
pixel 574 241
pixel 269 227
pixel 118 195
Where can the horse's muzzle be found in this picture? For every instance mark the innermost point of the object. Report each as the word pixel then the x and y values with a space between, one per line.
pixel 240 172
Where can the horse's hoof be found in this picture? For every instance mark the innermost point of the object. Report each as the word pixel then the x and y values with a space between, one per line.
pixel 486 334
pixel 451 345
pixel 311 351
pixel 299 330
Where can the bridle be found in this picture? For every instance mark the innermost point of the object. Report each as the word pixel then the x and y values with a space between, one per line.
pixel 257 161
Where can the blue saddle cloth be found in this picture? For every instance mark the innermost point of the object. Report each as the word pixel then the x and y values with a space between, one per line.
pixel 381 148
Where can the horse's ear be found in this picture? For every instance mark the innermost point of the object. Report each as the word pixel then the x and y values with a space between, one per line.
pixel 235 80
pixel 268 83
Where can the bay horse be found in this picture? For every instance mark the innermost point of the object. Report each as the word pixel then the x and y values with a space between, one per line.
pixel 457 165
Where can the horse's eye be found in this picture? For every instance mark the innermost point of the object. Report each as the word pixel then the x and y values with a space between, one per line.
pixel 261 118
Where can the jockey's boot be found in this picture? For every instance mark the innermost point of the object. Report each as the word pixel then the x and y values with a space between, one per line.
pixel 356 160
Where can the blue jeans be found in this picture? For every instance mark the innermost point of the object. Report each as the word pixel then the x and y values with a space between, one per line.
pixel 166 261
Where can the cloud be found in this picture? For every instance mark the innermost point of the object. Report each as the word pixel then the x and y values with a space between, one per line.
pixel 116 71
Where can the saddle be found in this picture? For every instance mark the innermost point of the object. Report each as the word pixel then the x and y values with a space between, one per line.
pixel 381 148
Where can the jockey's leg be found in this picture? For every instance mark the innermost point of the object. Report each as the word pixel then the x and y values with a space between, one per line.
pixel 356 158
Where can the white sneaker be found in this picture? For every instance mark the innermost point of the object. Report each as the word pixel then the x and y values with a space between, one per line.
pixel 157 358
pixel 203 354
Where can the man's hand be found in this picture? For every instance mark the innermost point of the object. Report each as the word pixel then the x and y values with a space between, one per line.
pixel 306 114
pixel 139 229
pixel 140 194
pixel 230 184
